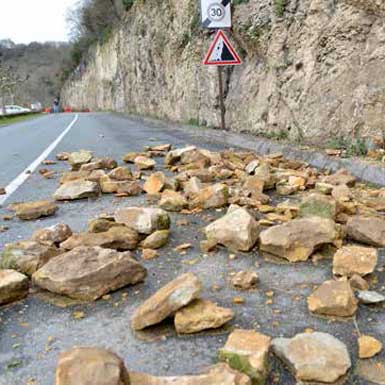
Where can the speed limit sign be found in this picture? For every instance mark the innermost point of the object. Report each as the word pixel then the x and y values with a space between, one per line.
pixel 216 13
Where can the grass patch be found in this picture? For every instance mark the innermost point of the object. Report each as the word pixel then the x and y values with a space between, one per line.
pixel 352 146
pixel 7 120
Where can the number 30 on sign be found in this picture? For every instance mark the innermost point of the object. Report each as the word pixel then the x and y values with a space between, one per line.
pixel 216 13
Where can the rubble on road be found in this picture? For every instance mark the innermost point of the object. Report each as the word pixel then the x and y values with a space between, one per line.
pixel 368 230
pixel 77 189
pixel 77 159
pixel 29 211
pixel 156 240
pixel 245 280
pixel 53 235
pixel 13 286
pixel 368 346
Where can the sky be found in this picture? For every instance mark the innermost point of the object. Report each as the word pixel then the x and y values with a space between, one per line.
pixel 24 21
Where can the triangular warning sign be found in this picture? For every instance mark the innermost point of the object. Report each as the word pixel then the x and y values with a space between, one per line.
pixel 221 52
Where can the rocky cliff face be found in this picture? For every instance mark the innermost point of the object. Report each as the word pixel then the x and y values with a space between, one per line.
pixel 311 67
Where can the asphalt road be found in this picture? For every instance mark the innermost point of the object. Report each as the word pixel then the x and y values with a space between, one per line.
pixel 34 331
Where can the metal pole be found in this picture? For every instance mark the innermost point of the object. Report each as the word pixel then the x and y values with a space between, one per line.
pixel 221 98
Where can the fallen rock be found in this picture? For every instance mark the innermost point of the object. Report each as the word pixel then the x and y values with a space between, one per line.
pixel 86 366
pixel 117 237
pixel 62 156
pixel 110 186
pixel 92 166
pixel 247 351
pixel 156 240
pixel 368 347
pixel 166 301
pixel 13 286
pixel 333 298
pixel 2 191
pixel 144 163
pixel 174 156
pixel 193 186
pixel 317 205
pixel 72 176
pixel 358 283
pixel 324 188
pixel 148 254
pixel 131 156
pixel 245 280
pixel 88 273
pixel 298 239
pixel 121 173
pixel 33 210
pixel 77 159
pixel 368 297
pixel 172 201
pixel 350 260
pixel 341 177
pixel 250 168
pixel 101 225
pixel 326 359
pixel 211 197
pixel 78 189
pixel 201 315
pixel 237 230
pixel 341 193
pixel 27 256
pixel 161 147
pixel 144 220
pixel 367 230
pixel 155 183
pixel 53 235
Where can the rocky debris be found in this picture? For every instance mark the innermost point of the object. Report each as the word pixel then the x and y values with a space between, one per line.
pixel 110 186
pixel 144 220
pixel 326 359
pixel 237 230
pixel 129 188
pixel 148 254
pixel 33 210
pixel 90 365
pixel 317 205
pixel 62 156
pixel 220 374
pixel 350 260
pixel 367 230
pixel 88 273
pixel 368 347
pixel 245 280
pixel 201 315
pixel 341 177
pixel 247 351
pixel 131 156
pixel 342 193
pixel 172 201
pixel 77 159
pixel 211 197
pixel 174 156
pixel 144 163
pixel 263 172
pixel 2 191
pixel 250 168
pixel 368 297
pixel 299 238
pixel 53 235
pixel 160 147
pixel 192 187
pixel 155 183
pixel 78 189
pixel 92 166
pixel 358 283
pixel 253 187
pixel 108 163
pixel 117 237
pixel 156 240
pixel 166 301
pixel 324 188
pixel 333 298
pixel 121 173
pixel 13 286
pixel 72 176
pixel 101 225
pixel 27 256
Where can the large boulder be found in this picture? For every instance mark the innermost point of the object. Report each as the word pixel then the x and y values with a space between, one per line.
pixel 33 210
pixel 247 351
pixel 201 315
pixel 318 357
pixel 166 301
pixel 333 298
pixel 299 238
pixel 78 189
pixel 318 205
pixel 27 256
pixel 13 286
pixel 77 159
pixel 237 230
pixel 87 273
pixel 53 235
pixel 144 220
pixel 352 259
pixel 369 230
pixel 91 366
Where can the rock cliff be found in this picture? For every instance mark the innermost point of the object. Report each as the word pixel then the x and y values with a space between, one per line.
pixel 312 68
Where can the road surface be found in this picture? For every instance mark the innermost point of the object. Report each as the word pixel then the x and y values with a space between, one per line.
pixel 34 331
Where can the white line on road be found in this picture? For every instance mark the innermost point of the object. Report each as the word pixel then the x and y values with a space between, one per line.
pixel 21 178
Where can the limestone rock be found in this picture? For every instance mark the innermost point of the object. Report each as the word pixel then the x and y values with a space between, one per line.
pixel 370 297
pixel 341 193
pixel 101 225
pixel 237 230
pixel 109 186
pixel 27 256
pixel 144 163
pixel 75 175
pixel 358 283
pixel 324 188
pixel 129 188
pixel 174 156
pixel 368 347
pixel 88 365
pixel 117 237
pixel 88 273
pixel 62 156
pixel 247 351
pixel 13 286
pixel 155 183
pixel 211 197
pixel 166 301
pixel 144 220
pixel 317 205
pixel 131 156
pixel 92 166
pixel 78 189
pixel 245 280
pixel 172 201
pixel 350 260
pixel 326 359
pixel 53 235
pixel 161 147
pixel 148 254
pixel 367 230
pixel 156 240
pixel 121 173
pixel 77 159
pixel 299 238
pixel 33 210
pixel 250 168
pixel 193 186
pixel 333 298
pixel 341 177
pixel 108 163
pixel 201 315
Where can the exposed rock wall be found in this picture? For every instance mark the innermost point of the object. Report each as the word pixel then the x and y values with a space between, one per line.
pixel 315 69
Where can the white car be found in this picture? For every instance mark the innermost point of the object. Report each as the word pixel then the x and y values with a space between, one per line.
pixel 14 110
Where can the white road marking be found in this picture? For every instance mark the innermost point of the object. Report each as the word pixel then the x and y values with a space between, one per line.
pixel 21 178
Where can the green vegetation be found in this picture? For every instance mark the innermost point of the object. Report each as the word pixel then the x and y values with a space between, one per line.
pixel 275 135
pixel 352 146
pixel 238 2
pixel 279 7
pixel 128 4
pixel 5 121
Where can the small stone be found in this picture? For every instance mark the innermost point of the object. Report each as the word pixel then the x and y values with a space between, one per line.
pixel 368 347
pixel 148 254
pixel 324 188
pixel 172 201
pixel 174 156
pixel 156 240
pixel 77 159
pixel 192 187
pixel 144 163
pixel 62 156
pixel 13 286
pixel 208 246
pixel 131 156
pixel 370 297
pixel 201 315
pixel 238 300
pixel 250 168
pixel 245 280
pixel 341 177
pixel 161 147
pixel 34 210
pixel 367 230
pixel 78 189
pixel 2 191
pixel 53 235
pixel 317 205
pixel 342 193
pixel 121 174
pixel 211 197
pixel 155 183
pixel 183 247
pixel 358 283
pixel 101 225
